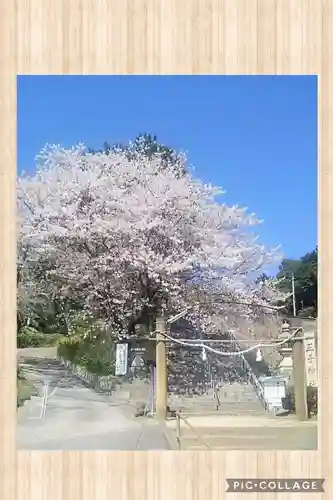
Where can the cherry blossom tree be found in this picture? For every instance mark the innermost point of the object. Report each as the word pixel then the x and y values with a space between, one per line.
pixel 127 238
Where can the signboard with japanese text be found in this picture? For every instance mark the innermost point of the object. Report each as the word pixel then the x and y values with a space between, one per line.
pixel 311 359
pixel 121 359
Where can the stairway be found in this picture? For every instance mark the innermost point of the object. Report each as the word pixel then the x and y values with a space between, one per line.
pixel 240 398
pixel 32 407
pixel 234 399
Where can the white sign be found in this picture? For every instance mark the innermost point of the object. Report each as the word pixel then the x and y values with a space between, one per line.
pixel 274 391
pixel 121 359
pixel 311 359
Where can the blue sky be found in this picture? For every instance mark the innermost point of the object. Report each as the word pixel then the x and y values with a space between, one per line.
pixel 256 137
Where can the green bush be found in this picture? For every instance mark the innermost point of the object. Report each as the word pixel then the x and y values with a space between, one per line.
pixel 93 355
pixel 30 337
pixel 68 347
pixel 51 339
pixel 88 346
pixel 97 365
pixel 288 402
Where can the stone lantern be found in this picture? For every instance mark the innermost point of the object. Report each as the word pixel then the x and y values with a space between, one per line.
pixel 286 351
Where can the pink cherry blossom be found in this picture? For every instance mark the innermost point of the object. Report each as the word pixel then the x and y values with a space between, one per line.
pixel 129 235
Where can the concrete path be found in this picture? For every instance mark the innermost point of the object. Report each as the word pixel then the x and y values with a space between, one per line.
pixel 37 352
pixel 78 418
pixel 245 433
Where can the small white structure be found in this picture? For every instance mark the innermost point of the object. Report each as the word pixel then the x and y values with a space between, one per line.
pixel 274 391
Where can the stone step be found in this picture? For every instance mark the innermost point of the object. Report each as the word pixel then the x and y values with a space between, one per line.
pixel 224 412
pixel 246 389
pixel 222 409
pixel 230 395
pixel 222 402
pixel 31 408
pixel 207 401
pixel 226 407
pixel 211 398
pixel 249 391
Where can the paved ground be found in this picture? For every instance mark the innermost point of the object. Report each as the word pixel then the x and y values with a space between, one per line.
pixel 37 352
pixel 247 433
pixel 78 418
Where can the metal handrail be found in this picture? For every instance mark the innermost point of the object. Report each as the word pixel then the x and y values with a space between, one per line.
pixel 216 395
pixel 253 378
pixel 180 417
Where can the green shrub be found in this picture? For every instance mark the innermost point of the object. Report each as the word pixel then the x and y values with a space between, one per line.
pixel 288 402
pixel 91 354
pixel 97 365
pixel 68 347
pixel 52 339
pixel 88 346
pixel 30 337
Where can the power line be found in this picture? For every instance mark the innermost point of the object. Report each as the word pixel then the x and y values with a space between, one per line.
pixel 293 293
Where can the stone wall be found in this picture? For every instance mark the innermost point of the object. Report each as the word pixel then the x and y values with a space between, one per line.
pixel 98 382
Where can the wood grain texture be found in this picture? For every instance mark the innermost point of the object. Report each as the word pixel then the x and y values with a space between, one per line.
pixel 160 37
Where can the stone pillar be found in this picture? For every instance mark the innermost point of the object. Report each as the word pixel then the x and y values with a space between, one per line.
pixel 311 359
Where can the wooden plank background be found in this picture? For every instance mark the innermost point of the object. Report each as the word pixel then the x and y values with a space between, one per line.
pixel 160 37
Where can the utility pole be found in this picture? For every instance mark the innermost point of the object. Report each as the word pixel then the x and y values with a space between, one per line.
pixel 300 382
pixel 161 370
pixel 293 292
